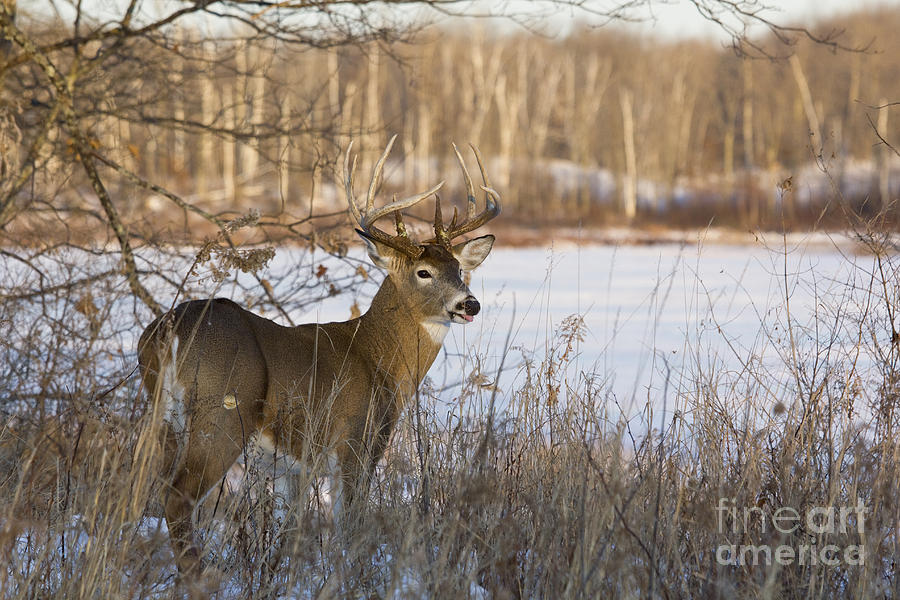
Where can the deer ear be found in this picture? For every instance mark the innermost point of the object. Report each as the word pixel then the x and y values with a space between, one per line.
pixel 472 253
pixel 380 254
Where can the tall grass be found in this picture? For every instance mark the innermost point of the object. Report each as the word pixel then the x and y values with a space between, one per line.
pixel 557 496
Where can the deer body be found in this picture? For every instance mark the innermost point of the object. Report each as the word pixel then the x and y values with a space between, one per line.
pixel 227 377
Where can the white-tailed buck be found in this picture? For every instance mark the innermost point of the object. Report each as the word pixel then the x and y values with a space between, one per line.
pixel 227 377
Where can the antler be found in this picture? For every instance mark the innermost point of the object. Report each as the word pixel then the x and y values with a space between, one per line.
pixel 443 235
pixel 366 220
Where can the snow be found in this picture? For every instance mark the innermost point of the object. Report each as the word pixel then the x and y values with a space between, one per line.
pixel 646 310
pixel 652 317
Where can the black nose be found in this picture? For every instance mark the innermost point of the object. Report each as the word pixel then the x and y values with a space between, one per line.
pixel 471 306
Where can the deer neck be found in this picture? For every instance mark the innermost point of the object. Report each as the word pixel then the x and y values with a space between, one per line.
pixel 407 346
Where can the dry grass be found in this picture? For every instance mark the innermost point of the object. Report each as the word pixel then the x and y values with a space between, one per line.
pixel 562 501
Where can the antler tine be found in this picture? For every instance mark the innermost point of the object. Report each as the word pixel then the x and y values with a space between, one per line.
pixel 440 234
pixel 472 222
pixel 487 182
pixel 370 217
pixel 399 225
pixel 470 189
pixel 490 194
pixel 366 219
pixel 376 174
pixel 492 199
pixel 348 185
pixel 491 202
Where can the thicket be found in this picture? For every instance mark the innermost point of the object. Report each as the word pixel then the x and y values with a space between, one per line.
pixel 537 491
pixel 597 127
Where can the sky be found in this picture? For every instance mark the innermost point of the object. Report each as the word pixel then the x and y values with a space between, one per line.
pixel 671 19
pixel 681 19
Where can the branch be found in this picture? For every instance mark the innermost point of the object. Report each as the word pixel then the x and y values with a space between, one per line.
pixel 751 12
pixel 63 88
pixel 28 165
pixel 224 231
pixel 879 136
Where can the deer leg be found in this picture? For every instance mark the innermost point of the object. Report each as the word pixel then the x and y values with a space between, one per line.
pixel 199 473
pixel 357 463
pixel 179 508
pixel 349 483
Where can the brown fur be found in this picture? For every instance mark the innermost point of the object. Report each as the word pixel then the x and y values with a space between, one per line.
pixel 336 387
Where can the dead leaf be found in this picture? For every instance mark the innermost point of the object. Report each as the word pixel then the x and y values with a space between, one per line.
pixel 86 306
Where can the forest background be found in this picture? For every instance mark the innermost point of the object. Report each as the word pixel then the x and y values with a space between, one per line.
pixel 598 127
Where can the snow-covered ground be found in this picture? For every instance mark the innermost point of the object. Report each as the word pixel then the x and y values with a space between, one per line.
pixel 650 321
pixel 647 311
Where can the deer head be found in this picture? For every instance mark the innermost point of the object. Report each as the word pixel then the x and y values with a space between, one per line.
pixel 427 275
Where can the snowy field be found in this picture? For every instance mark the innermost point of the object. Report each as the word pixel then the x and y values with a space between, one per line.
pixel 652 316
pixel 641 328
pixel 650 319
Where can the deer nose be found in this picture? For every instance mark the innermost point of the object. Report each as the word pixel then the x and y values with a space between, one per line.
pixel 470 306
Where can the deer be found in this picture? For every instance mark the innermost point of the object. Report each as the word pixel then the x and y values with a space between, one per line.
pixel 227 377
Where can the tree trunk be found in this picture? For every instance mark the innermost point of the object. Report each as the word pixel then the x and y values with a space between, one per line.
pixel 884 157
pixel 423 144
pixel 543 110
pixel 372 110
pixel 484 79
pixel 508 106
pixel 334 80
pixel 728 156
pixel 747 115
pixel 284 152
pixel 808 107
pixel 228 170
pixel 257 109
pixel 251 89
pixel 629 184
pixel 207 169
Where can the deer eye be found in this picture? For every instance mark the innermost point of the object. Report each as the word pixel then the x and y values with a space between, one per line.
pixel 423 274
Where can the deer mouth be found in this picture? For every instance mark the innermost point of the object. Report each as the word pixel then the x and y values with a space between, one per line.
pixel 460 317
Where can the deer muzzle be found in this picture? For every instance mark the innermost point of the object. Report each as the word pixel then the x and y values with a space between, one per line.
pixel 468 308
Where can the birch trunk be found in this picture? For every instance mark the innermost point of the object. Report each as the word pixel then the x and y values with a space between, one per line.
pixel 629 184
pixel 228 146
pixel 747 115
pixel 884 157
pixel 806 98
pixel 207 169
pixel 284 151
pixel 372 111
